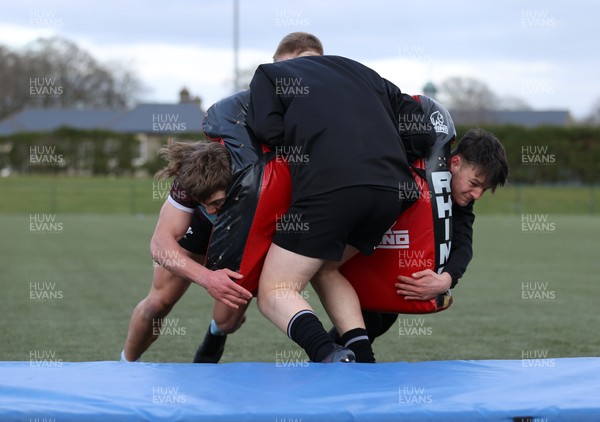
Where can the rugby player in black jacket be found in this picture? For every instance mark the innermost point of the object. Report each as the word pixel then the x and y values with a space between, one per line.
pixel 341 116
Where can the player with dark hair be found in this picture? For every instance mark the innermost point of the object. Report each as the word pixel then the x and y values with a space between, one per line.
pixel 477 164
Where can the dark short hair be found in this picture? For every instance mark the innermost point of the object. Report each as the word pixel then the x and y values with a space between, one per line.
pixel 483 150
pixel 297 42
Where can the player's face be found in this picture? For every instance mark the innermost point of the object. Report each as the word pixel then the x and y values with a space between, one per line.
pixel 214 202
pixel 466 185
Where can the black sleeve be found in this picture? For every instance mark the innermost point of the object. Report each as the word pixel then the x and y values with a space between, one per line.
pixel 265 111
pixel 394 95
pixel 197 236
pixel 418 135
pixel 461 252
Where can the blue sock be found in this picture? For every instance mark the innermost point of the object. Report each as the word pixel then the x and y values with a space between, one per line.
pixel 214 329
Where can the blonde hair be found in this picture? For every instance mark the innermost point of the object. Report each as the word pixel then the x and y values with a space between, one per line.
pixel 296 43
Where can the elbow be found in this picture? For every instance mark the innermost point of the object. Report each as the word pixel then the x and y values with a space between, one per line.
pixel 156 246
pixel 268 130
pixel 274 142
pixel 269 138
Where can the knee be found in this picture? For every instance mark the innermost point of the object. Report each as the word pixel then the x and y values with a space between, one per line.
pixel 261 300
pixel 231 324
pixel 157 306
pixel 268 293
pixel 265 301
pixel 325 273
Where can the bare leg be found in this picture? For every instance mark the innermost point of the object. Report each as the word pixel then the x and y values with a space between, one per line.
pixel 147 316
pixel 285 274
pixel 342 304
pixel 228 319
pixel 338 296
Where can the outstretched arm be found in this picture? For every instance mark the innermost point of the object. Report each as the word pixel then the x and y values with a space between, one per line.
pixel 171 226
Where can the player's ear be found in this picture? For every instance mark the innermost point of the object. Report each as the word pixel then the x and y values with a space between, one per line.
pixel 455 162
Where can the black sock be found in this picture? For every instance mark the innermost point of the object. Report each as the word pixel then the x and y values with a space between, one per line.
pixel 335 336
pixel 357 340
pixel 306 330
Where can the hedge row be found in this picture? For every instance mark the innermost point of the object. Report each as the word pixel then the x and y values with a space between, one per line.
pixel 536 155
pixel 550 154
pixel 69 151
pixel 74 151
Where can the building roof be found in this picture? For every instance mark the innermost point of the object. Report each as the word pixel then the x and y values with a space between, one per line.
pixel 47 120
pixel 143 118
pixel 160 118
pixel 187 117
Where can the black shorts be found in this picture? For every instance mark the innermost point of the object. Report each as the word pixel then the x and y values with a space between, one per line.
pixel 197 236
pixel 321 226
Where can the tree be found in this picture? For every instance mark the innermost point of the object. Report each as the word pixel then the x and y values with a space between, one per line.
pixel 513 103
pixel 468 94
pixel 14 91
pixel 56 72
pixel 594 117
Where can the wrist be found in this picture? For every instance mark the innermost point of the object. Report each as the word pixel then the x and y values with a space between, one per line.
pixel 447 279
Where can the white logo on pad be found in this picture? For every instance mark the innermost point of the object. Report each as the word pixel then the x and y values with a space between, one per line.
pixel 395 239
pixel 437 120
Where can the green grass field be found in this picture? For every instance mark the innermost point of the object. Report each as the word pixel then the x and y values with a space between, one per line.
pixel 69 288
pixel 83 195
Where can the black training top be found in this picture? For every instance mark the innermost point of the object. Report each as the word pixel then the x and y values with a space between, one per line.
pixel 461 251
pixel 336 121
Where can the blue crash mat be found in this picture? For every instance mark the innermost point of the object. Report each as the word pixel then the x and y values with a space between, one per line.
pixel 498 390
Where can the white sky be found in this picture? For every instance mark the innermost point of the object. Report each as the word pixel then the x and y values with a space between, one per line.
pixel 545 52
